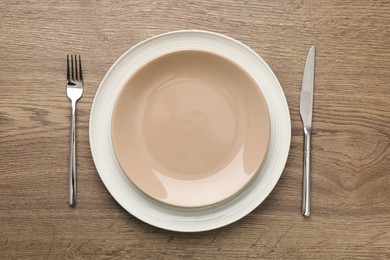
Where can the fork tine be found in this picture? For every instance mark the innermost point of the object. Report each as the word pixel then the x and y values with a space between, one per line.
pixel 71 59
pixel 81 71
pixel 75 65
pixel 68 69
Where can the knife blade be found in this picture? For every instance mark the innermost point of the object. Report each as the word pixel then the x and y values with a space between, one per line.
pixel 306 111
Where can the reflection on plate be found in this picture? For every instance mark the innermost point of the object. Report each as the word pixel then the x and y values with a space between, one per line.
pixel 190 128
pixel 161 214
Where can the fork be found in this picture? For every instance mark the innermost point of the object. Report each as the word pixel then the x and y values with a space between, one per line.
pixel 74 90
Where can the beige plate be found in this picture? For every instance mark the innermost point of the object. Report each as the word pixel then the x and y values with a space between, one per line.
pixel 190 128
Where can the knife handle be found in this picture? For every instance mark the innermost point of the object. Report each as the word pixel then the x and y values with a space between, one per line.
pixel 306 175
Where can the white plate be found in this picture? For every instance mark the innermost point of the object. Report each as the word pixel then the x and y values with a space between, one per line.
pixel 162 215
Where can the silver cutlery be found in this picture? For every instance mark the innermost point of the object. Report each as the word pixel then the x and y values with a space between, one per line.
pixel 74 90
pixel 306 109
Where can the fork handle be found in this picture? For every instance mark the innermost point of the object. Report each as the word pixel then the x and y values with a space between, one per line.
pixel 72 159
pixel 306 175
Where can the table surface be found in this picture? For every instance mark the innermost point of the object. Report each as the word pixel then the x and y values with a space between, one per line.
pixel 350 141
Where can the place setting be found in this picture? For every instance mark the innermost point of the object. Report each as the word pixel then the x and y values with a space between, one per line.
pixel 190 130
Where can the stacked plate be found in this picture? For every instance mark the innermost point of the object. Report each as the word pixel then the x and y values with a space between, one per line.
pixel 190 130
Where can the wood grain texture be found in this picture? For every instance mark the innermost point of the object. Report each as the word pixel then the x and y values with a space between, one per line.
pixel 350 143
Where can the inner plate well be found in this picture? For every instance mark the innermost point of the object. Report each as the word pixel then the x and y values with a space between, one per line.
pixel 190 128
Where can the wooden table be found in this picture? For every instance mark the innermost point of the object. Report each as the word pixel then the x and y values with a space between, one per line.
pixel 350 143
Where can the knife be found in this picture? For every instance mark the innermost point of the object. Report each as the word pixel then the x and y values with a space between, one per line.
pixel 306 110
